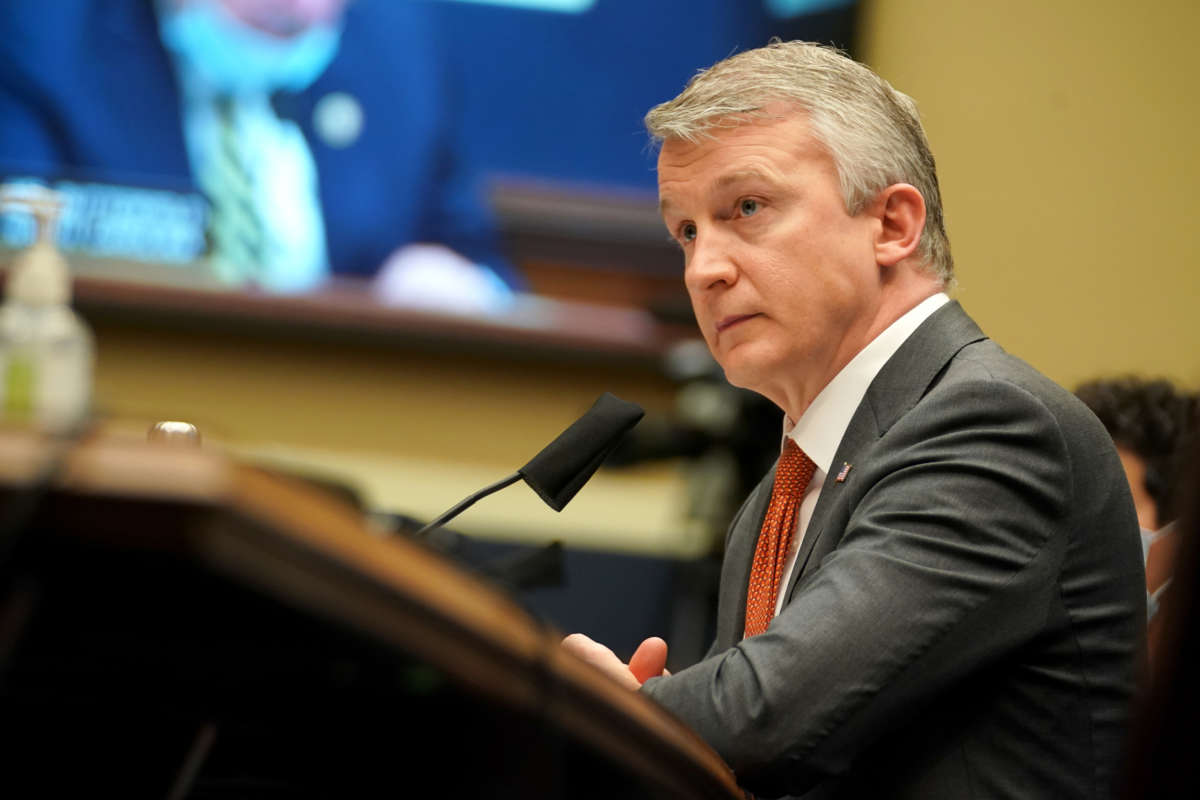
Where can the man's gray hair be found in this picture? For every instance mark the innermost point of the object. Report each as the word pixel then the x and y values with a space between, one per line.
pixel 872 131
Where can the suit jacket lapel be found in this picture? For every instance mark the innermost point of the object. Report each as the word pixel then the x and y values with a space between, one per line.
pixel 735 568
pixel 859 437
pixel 902 382
pixel 130 47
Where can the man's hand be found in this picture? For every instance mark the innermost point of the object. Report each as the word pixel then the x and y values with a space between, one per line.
pixel 648 661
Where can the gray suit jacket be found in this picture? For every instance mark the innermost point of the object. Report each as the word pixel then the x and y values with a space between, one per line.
pixel 968 604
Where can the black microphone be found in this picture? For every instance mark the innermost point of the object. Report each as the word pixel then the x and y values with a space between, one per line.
pixel 561 469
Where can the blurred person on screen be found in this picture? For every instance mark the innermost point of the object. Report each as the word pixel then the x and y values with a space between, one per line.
pixel 321 131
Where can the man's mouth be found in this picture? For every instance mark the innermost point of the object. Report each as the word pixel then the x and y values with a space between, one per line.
pixel 728 322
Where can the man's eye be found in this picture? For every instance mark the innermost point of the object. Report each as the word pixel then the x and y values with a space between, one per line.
pixel 748 207
pixel 687 232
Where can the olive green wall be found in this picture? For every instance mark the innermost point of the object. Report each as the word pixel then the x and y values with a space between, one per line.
pixel 412 430
pixel 1066 138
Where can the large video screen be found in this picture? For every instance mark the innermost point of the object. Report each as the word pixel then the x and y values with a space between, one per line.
pixel 280 152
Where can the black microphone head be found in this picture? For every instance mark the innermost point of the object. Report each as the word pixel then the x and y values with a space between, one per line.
pixel 565 465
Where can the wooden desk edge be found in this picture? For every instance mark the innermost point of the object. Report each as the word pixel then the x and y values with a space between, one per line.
pixel 320 555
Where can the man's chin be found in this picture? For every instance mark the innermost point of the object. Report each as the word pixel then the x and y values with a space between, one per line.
pixel 743 372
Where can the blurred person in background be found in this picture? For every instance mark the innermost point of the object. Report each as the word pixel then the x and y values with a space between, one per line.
pixel 1153 424
pixel 321 131
pixel 1161 748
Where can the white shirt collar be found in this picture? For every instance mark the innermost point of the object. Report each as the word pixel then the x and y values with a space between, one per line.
pixel 821 427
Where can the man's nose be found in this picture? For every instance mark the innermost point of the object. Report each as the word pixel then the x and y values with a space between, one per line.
pixel 711 263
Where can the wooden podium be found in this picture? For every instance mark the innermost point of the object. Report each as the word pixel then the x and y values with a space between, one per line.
pixel 175 624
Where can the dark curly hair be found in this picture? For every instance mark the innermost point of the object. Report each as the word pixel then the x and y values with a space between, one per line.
pixel 1153 419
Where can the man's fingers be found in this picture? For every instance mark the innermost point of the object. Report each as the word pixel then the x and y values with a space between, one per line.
pixel 590 651
pixel 600 657
pixel 649 660
pixel 585 648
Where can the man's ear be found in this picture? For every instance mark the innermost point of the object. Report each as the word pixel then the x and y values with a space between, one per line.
pixel 901 212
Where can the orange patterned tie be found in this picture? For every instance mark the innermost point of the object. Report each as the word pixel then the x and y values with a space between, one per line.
pixel 792 475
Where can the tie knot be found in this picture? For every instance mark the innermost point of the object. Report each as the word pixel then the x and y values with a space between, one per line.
pixel 795 463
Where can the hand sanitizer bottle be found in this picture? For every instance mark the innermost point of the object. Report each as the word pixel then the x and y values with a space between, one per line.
pixel 46 350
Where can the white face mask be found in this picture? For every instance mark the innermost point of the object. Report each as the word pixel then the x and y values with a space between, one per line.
pixel 233 58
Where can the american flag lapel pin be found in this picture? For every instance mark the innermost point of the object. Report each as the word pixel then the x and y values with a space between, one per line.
pixel 841 476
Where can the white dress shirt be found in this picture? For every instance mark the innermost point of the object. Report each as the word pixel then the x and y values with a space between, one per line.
pixel 821 427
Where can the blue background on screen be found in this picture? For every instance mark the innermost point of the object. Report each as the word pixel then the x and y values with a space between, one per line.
pixel 562 96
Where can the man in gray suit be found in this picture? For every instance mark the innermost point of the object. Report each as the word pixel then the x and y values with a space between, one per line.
pixel 941 595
